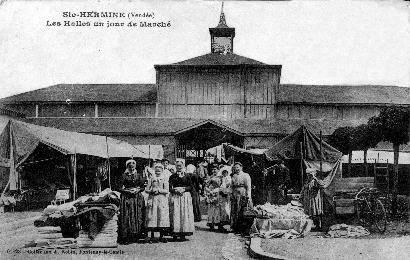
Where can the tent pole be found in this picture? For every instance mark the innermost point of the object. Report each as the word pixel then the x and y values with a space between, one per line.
pixel 109 165
pixel 149 155
pixel 321 150
pixel 301 163
pixel 74 162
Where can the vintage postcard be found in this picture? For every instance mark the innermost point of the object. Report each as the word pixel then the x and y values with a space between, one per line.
pixel 204 129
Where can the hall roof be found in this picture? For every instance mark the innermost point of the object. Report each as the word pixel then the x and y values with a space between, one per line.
pixel 350 94
pixel 211 59
pixel 89 93
pixel 171 126
pixel 288 94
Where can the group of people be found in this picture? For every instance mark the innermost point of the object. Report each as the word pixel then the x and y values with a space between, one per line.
pixel 166 199
pixel 227 196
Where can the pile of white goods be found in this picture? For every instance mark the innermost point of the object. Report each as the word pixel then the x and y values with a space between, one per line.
pixel 343 230
pixel 286 221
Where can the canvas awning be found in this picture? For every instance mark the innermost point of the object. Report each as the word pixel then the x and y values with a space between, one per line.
pixel 290 148
pixel 319 155
pixel 26 137
pixel 231 149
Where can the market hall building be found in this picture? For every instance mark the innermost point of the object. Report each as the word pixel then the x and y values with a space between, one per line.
pixel 201 102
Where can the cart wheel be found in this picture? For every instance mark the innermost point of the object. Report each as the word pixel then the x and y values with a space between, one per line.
pixel 380 219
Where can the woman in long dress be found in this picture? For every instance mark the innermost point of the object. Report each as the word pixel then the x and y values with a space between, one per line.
pixel 132 208
pixel 226 191
pixel 312 197
pixel 241 197
pixel 196 189
pixel 181 209
pixel 216 216
pixel 157 203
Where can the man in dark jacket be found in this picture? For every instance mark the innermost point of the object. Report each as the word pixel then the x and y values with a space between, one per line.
pixel 277 179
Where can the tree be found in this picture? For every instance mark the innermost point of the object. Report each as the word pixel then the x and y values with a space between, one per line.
pixel 394 123
pixel 342 139
pixel 367 136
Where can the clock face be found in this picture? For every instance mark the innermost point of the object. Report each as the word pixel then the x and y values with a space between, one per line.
pixel 222 44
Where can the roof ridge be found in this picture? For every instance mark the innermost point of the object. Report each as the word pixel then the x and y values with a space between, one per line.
pixel 223 59
pixel 344 85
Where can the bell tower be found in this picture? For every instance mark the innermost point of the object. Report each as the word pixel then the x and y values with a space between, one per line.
pixel 222 36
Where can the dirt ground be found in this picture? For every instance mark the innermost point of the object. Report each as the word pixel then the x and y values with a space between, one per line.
pixel 339 248
pixel 390 245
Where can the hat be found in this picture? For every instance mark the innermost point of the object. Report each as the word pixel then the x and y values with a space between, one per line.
pixel 226 168
pixel 130 161
pixel 190 168
pixel 214 165
pixel 238 163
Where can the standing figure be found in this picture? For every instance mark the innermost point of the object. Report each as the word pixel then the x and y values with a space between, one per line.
pixel 181 210
pixel 157 206
pixel 132 208
pixel 196 190
pixel 277 179
pixel 212 201
pixel 167 173
pixel 241 197
pixel 225 192
pixel 216 216
pixel 100 176
pixel 312 197
pixel 202 170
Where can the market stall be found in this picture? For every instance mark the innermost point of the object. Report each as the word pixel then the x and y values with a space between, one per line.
pixel 253 162
pixel 301 150
pixel 37 161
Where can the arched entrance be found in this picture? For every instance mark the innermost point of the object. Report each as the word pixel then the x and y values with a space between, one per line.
pixel 192 143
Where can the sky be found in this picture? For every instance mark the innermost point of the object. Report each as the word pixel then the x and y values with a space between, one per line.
pixel 316 42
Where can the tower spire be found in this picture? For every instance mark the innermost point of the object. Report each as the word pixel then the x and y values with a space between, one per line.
pixel 222 35
pixel 222 20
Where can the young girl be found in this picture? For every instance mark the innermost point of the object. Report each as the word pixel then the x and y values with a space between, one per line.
pixel 212 199
pixel 225 193
pixel 157 204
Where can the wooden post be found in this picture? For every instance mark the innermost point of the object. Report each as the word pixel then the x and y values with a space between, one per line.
pixel 301 163
pixel 95 110
pixel 36 112
pixel 74 164
pixel 149 155
pixel 321 159
pixel 109 165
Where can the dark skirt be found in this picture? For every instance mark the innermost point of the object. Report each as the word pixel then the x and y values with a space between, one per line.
pixel 239 204
pixel 131 224
pixel 195 205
